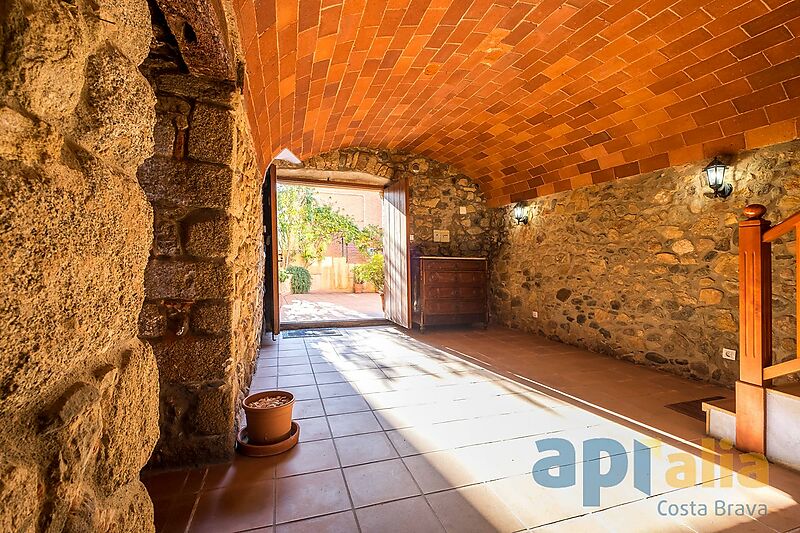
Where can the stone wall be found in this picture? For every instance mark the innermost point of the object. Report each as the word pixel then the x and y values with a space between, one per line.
pixel 78 390
pixel 203 283
pixel 646 268
pixel 437 192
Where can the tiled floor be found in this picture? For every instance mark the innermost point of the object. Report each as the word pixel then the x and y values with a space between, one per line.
pixel 333 307
pixel 437 432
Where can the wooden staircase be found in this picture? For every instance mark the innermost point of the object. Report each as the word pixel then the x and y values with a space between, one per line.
pixel 762 418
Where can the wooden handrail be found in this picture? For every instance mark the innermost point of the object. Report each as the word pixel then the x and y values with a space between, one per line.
pixel 783 228
pixel 755 324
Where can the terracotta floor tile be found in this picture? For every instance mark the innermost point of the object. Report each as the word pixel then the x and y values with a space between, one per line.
pixel 330 377
pixel 366 448
pixel 331 390
pixel 293 370
pixel 175 518
pixel 307 409
pixel 307 457
pixel 345 404
pixel 314 429
pixel 293 360
pixel 332 523
pixel 401 516
pixel 473 509
pixel 305 392
pixel 379 482
pixel 230 509
pixel 243 471
pixel 165 484
pixel 297 380
pixel 353 423
pixel 310 495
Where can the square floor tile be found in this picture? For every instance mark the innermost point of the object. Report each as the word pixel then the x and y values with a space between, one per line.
pixel 473 509
pixel 242 471
pixel 296 380
pixel 294 370
pixel 314 429
pixel 401 516
pixel 306 392
pixel 330 377
pixel 310 495
pixel 379 482
pixel 307 457
pixel 232 509
pixel 366 448
pixel 307 409
pixel 332 523
pixel 330 390
pixel 353 423
pixel 345 404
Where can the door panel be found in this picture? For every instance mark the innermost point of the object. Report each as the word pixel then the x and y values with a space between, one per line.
pixel 272 302
pixel 397 286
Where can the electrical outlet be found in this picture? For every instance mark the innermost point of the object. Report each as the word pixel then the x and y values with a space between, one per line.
pixel 535 314
pixel 727 353
pixel 444 235
pixel 462 210
pixel 437 236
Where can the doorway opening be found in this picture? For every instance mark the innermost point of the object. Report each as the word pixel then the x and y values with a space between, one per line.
pixel 330 255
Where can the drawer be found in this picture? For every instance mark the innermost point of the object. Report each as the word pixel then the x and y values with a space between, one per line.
pixel 454 307
pixel 453 264
pixel 446 279
pixel 464 293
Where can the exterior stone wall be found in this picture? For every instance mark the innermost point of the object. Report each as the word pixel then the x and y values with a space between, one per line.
pixel 437 192
pixel 78 390
pixel 646 269
pixel 203 308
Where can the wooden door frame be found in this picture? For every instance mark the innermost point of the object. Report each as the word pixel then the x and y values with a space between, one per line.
pixel 272 306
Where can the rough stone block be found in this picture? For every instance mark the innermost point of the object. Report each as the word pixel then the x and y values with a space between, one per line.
pixel 186 183
pixel 203 89
pixel 130 424
pixel 212 413
pixel 164 136
pixel 209 236
pixel 20 497
pixel 115 120
pixel 211 318
pixel 193 358
pixel 211 134
pixel 187 280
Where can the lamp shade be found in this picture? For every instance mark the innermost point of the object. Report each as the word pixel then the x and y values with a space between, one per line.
pixel 715 173
pixel 520 213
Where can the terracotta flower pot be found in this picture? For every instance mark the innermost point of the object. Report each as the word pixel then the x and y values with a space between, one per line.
pixel 268 425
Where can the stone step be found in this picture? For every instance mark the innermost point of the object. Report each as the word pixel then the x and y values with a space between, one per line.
pixel 783 433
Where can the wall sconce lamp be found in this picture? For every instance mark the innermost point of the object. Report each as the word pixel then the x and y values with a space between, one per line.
pixel 715 173
pixel 520 213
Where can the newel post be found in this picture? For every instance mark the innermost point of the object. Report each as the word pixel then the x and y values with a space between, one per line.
pixel 755 329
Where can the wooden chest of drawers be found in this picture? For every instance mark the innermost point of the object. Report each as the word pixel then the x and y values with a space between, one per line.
pixel 450 290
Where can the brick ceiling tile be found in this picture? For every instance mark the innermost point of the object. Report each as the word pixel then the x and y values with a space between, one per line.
pixel 744 122
pixel 792 87
pixel 761 98
pixel 755 63
pixel 688 154
pixel 772 134
pixel 737 17
pixel 764 23
pixel 784 110
pixel 726 145
pixel 761 42
pixel 775 74
pixel 727 91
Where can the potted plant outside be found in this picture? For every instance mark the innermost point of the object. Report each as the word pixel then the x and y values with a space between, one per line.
pixel 269 416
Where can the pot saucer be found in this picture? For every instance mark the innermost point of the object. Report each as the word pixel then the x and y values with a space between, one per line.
pixel 265 450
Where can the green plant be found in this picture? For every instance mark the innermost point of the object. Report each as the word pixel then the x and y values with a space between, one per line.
pixel 282 275
pixel 301 279
pixel 370 272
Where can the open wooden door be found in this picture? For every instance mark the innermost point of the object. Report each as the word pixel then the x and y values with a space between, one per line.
pixel 397 285
pixel 272 297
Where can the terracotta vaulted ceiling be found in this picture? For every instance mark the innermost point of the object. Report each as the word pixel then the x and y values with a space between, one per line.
pixel 528 98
